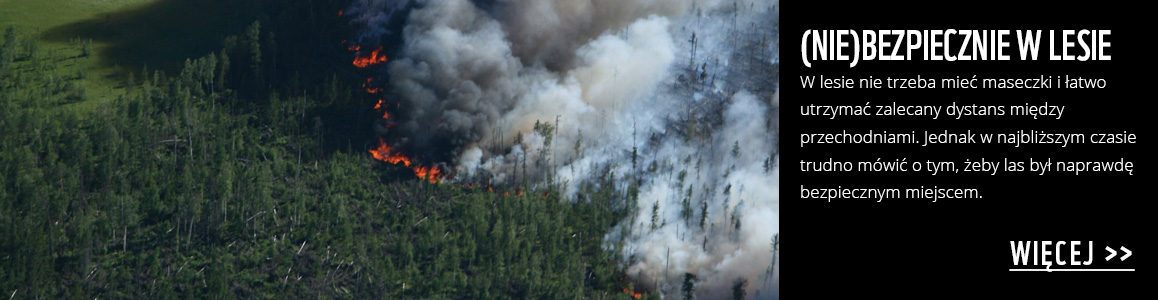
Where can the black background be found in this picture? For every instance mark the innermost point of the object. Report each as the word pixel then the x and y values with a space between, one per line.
pixel 911 248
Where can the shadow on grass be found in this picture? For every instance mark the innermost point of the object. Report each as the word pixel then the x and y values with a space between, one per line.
pixel 160 35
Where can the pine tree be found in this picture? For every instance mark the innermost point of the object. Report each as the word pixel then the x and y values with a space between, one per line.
pixel 86 47
pixel 132 83
pixel 703 214
pixel 222 70
pixel 9 48
pixel 689 287
pixel 738 289
pixel 253 44
pixel 31 47
pixel 655 216
pixel 686 210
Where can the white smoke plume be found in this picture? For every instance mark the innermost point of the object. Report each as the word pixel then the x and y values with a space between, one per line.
pixel 473 78
pixel 742 201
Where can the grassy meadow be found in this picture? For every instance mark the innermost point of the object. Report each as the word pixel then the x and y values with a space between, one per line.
pixel 126 36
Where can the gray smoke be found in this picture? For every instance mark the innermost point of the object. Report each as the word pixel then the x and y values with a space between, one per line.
pixel 609 76
pixel 374 17
pixel 549 32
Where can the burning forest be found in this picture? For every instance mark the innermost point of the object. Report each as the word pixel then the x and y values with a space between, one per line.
pixel 390 149
pixel 678 99
pixel 384 152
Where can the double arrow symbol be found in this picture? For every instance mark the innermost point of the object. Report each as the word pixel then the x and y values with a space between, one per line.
pixel 1113 253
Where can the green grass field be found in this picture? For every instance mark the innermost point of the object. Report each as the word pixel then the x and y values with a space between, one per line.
pixel 46 14
pixel 37 16
pixel 126 35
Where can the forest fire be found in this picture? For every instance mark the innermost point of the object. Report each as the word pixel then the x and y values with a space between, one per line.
pixel 433 174
pixel 370 88
pixel 384 152
pixel 387 154
pixel 376 57
pixel 629 289
pixel 467 79
pixel 634 294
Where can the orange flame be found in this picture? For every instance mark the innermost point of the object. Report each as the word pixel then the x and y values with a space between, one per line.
pixel 434 175
pixel 375 58
pixel 368 85
pixel 340 12
pixel 629 289
pixel 385 114
pixel 385 153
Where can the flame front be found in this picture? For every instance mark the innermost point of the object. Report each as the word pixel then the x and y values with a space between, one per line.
pixel 384 152
pixel 433 174
pixel 629 289
pixel 387 154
